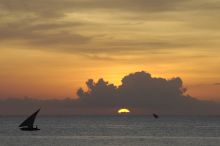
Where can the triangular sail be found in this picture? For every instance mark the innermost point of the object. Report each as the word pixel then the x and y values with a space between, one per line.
pixel 29 122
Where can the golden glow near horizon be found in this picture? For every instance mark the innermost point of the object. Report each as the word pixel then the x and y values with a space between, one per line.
pixel 52 51
pixel 123 111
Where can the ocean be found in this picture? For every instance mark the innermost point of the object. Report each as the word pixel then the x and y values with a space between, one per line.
pixel 113 131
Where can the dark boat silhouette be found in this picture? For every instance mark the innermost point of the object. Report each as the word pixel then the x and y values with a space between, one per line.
pixel 28 124
pixel 155 116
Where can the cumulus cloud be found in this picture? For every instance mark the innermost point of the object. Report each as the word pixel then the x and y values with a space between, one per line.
pixel 142 91
pixel 139 91
pixel 100 94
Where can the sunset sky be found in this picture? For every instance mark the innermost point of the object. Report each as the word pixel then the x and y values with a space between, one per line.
pixel 50 48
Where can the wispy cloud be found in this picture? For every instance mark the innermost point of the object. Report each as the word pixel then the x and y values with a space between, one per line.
pixel 84 26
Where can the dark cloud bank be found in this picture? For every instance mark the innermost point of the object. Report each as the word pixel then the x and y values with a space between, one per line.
pixel 139 91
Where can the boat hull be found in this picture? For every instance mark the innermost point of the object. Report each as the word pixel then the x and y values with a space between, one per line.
pixel 29 129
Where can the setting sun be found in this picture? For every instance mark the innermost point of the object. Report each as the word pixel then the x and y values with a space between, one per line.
pixel 123 111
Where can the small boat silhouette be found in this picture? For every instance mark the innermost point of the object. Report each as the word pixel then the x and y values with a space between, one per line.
pixel 155 116
pixel 28 124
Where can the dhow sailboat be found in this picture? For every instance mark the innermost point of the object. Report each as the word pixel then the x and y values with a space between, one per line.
pixel 28 124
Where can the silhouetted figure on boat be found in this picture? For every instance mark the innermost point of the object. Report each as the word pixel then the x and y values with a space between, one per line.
pixel 28 124
pixel 155 116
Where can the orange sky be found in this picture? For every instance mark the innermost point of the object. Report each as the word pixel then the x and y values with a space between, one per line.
pixel 51 52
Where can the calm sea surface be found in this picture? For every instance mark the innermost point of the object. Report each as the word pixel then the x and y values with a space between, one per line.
pixel 113 131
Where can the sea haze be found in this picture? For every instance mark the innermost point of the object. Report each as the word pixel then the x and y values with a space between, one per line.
pixel 113 131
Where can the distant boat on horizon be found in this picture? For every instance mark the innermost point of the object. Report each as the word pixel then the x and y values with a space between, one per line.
pixel 155 116
pixel 28 124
